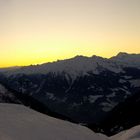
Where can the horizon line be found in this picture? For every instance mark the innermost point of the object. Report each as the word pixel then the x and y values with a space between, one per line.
pixel 16 66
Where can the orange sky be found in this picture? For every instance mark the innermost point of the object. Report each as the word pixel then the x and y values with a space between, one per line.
pixel 37 31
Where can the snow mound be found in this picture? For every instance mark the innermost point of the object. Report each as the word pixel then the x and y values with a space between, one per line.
pixel 131 134
pixel 21 123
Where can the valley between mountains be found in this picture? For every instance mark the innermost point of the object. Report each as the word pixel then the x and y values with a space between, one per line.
pixel 99 93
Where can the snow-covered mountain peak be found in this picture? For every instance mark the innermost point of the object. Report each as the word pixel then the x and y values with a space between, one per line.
pixel 122 54
pixel 81 65
pixel 128 60
pixel 97 57
pixel 79 57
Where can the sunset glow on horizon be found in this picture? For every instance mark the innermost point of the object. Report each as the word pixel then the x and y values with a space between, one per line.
pixel 39 31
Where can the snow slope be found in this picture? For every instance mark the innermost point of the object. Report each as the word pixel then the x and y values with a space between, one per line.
pixel 131 134
pixel 21 123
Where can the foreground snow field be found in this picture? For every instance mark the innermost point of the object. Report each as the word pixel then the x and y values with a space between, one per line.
pixel 132 134
pixel 21 123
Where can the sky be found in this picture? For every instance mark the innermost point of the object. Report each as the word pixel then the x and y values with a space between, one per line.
pixel 38 31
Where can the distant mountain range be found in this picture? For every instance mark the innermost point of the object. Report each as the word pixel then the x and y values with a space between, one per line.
pixel 80 65
pixel 82 89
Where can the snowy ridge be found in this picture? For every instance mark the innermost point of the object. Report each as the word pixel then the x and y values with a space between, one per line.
pixel 21 123
pixel 81 65
pixel 131 134
pixel 129 60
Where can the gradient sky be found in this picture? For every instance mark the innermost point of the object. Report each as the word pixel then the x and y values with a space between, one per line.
pixel 37 31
